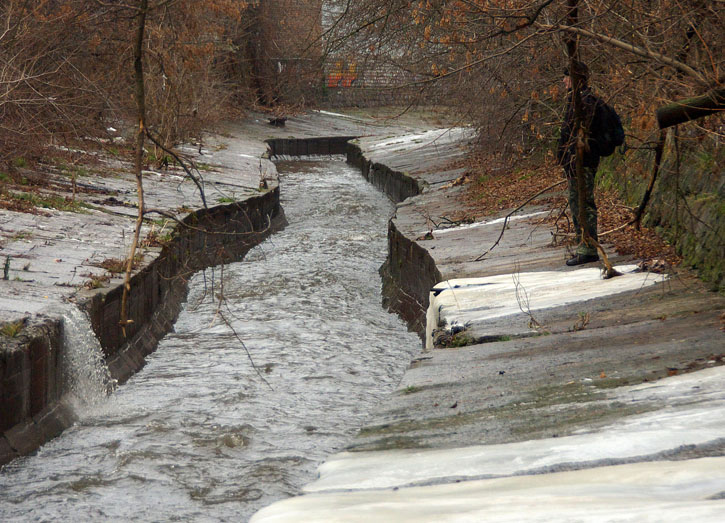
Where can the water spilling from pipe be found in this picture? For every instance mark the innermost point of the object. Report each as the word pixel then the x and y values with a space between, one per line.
pixel 198 434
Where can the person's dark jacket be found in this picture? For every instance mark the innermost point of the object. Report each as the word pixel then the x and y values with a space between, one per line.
pixel 566 150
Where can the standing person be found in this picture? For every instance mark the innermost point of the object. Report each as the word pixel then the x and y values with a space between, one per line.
pixel 566 157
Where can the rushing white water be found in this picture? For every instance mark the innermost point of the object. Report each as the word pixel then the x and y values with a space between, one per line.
pixel 85 372
pixel 197 434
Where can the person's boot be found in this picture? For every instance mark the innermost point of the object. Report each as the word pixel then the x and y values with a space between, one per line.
pixel 579 259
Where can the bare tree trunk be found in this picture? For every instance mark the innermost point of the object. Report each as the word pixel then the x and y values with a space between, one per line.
pixel 578 132
pixel 581 132
pixel 141 112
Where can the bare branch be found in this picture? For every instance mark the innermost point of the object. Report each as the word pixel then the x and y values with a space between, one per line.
pixel 632 49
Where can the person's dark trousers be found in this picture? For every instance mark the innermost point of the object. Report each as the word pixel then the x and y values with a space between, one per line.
pixel 590 208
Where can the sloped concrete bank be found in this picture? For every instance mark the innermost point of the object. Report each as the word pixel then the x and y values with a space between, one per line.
pixel 33 393
pixel 592 390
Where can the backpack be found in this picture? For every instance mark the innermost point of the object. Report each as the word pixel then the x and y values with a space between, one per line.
pixel 607 132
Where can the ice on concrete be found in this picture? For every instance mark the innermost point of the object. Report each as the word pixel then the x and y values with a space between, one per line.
pixel 475 225
pixel 453 134
pixel 656 491
pixel 694 415
pixel 642 436
pixel 339 115
pixel 465 300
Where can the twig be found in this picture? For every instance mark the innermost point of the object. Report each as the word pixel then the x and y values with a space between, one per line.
pixel 176 157
pixel 220 313
pixel 506 219
pixel 522 298
pixel 170 216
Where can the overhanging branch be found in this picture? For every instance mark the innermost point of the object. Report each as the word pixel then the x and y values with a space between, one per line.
pixel 684 68
pixel 685 110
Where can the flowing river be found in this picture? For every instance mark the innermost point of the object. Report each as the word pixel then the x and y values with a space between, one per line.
pixel 199 434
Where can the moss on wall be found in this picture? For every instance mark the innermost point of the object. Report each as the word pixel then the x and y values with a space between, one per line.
pixel 687 207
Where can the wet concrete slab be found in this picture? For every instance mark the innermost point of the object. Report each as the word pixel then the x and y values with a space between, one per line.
pixel 541 376
pixel 664 491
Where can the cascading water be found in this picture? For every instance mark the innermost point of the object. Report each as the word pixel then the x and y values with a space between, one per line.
pixel 85 373
pixel 197 435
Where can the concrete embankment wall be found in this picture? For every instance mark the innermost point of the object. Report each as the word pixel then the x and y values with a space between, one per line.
pixel 209 237
pixel 32 403
pixel 409 272
pixel 688 202
pixel 308 146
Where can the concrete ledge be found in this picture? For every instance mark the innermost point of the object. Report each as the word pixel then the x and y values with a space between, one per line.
pixel 308 146
pixel 409 272
pixel 396 184
pixel 30 372
pixel 212 236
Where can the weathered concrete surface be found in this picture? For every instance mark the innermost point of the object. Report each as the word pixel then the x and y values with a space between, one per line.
pixel 664 491
pixel 586 393
pixel 54 256
pixel 611 408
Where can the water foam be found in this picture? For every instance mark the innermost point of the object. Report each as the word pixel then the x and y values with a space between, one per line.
pixel 85 373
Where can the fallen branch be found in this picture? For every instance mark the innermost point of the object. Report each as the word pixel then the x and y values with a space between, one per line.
pixel 506 219
pixel 655 171
pixel 609 270
pixel 692 108
pixel 176 157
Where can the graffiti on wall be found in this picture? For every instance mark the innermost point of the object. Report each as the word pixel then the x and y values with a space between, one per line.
pixel 342 74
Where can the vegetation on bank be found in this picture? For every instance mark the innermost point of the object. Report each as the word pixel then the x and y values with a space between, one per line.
pixel 684 222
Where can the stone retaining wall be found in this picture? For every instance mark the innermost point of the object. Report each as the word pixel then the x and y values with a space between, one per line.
pixel 688 202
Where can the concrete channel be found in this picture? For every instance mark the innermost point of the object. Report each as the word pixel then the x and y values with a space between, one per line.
pixel 55 258
pixel 610 406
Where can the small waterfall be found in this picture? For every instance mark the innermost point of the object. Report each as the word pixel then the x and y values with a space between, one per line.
pixel 85 373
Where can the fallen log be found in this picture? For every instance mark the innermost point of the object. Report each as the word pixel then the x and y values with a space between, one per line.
pixel 691 108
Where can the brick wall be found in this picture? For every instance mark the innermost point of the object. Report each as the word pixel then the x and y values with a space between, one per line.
pixel 287 49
